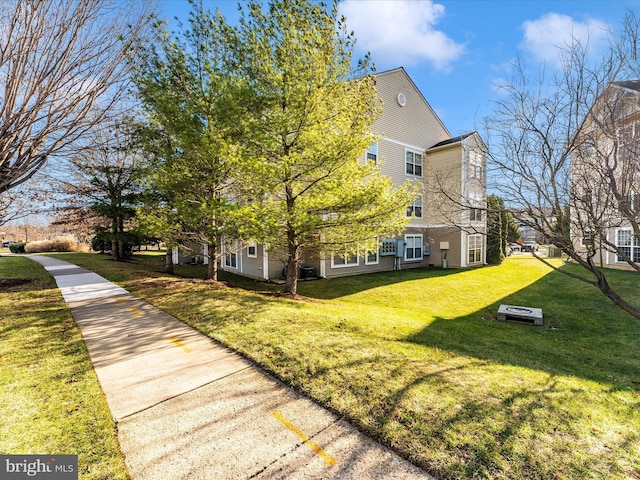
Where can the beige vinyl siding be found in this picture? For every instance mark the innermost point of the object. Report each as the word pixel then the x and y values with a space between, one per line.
pixel 445 172
pixel 415 123
pixel 453 235
pixel 413 127
pixel 391 160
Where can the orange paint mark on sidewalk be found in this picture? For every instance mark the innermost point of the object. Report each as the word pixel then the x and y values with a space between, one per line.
pixel 327 459
pixel 181 345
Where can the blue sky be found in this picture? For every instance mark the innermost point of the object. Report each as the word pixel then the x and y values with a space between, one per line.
pixel 457 51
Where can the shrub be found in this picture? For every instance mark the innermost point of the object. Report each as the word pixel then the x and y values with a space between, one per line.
pixel 65 244
pixel 39 246
pixel 17 247
pixel 58 244
pixel 100 243
pixel 83 248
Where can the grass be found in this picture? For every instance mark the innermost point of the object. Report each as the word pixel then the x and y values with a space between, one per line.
pixel 417 359
pixel 50 399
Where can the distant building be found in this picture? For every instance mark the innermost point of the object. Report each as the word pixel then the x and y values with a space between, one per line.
pixel 606 207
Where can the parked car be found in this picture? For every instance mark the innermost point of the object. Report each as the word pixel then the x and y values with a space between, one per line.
pixel 513 247
pixel 530 246
pixel 7 244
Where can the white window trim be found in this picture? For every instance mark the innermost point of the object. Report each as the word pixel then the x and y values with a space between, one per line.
pixel 475 214
pixel 232 251
pixel 377 252
pixel 414 152
pixel 583 236
pixel 413 206
pixel 417 259
pixel 253 245
pixel 227 258
pixel 632 246
pixel 476 235
pixel 475 168
pixel 345 265
pixel 373 150
pixel 475 210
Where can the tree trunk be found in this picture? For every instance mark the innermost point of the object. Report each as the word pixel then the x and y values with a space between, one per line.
pixel 122 241
pixel 291 282
pixel 114 248
pixel 212 266
pixel 603 285
pixel 115 251
pixel 293 247
pixel 168 261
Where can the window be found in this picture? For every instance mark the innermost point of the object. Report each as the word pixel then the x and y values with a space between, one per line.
pixel 628 245
pixel 413 247
pixel 475 165
pixel 415 209
pixel 372 256
pixel 628 140
pixel 475 212
pixel 413 163
pixel 587 149
pixel 344 259
pixel 372 153
pixel 252 250
pixel 627 134
pixel 475 248
pixel 585 240
pixel 231 260
pixel 231 254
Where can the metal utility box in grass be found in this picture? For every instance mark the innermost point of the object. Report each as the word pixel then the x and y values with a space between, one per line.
pixel 514 313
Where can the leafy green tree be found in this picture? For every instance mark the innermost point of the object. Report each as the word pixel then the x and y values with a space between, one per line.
pixel 307 112
pixel 193 152
pixel 501 229
pixel 513 230
pixel 158 220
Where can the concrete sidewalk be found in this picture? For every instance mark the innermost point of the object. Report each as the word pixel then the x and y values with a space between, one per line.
pixel 186 407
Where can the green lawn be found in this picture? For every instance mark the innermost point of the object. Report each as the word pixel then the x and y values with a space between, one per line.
pixel 417 359
pixel 50 399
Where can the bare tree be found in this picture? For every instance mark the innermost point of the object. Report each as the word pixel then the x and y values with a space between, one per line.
pixel 62 70
pixel 29 198
pixel 81 222
pixel 566 156
pixel 103 185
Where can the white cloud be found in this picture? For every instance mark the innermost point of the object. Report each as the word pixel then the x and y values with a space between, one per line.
pixel 545 36
pixel 401 32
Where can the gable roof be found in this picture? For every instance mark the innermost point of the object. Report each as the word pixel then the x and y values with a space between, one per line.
pixel 458 140
pixel 404 72
pixel 629 84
